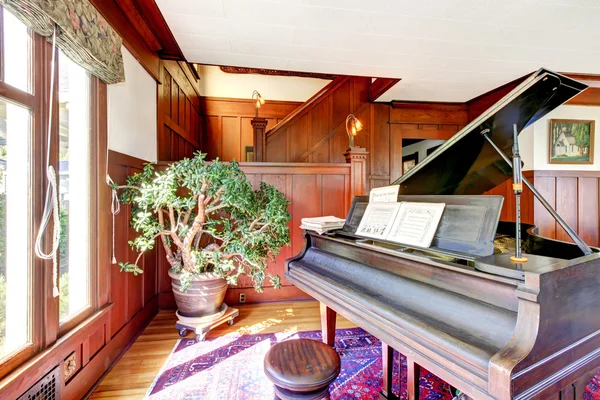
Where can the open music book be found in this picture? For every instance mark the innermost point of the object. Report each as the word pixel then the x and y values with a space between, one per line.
pixel 406 222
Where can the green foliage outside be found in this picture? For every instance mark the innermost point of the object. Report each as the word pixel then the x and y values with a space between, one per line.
pixel 63 284
pixel 208 218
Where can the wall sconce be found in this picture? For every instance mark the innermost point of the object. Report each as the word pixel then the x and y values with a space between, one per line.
pixel 258 100
pixel 353 126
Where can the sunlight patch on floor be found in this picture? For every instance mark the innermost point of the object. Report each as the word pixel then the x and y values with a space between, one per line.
pixel 259 327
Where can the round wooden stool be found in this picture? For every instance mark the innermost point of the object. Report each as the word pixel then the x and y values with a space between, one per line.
pixel 302 369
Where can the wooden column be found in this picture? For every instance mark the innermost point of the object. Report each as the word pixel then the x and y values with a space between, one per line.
pixel 357 157
pixel 259 126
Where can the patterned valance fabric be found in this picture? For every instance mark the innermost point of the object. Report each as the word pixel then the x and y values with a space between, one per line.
pixel 82 33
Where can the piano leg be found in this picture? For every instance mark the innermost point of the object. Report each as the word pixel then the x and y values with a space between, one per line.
pixel 328 324
pixel 388 372
pixel 413 375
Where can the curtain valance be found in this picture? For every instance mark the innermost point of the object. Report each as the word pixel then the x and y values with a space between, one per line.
pixel 81 32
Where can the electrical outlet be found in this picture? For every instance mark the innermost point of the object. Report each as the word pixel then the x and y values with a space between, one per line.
pixel 242 297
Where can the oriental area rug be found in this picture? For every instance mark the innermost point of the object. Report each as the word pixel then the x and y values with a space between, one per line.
pixel 231 368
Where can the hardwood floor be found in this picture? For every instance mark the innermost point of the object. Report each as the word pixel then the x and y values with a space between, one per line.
pixel 131 377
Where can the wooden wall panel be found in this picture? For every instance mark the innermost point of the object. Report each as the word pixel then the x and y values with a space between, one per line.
pixel 228 140
pixel 508 207
pixel 135 284
pixel 380 146
pixel 566 204
pixel 573 194
pixel 118 281
pixel 298 135
pixel 231 138
pixel 179 119
pixel 588 218
pixel 546 185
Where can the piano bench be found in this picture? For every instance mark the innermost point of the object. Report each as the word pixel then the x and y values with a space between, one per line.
pixel 302 369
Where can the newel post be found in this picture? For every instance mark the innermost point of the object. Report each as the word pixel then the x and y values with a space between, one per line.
pixel 259 126
pixel 357 158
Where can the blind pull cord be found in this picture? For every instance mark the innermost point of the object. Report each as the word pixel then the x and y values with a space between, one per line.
pixel 115 206
pixel 51 206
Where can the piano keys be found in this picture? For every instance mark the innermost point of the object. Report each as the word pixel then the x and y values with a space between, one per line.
pixel 461 309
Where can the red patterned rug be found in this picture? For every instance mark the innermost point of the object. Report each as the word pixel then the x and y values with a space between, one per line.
pixel 231 368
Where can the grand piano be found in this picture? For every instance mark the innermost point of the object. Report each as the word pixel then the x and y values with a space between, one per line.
pixel 490 327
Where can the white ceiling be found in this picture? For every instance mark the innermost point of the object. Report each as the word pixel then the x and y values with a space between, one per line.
pixel 444 50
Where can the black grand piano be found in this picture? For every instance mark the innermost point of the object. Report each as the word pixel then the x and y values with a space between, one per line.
pixel 490 327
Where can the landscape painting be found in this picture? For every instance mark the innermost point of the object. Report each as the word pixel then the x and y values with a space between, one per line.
pixel 571 141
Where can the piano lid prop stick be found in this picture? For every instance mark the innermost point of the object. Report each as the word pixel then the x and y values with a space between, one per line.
pixel 585 249
pixel 517 189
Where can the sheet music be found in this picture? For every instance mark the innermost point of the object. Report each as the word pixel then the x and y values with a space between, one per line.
pixel 377 220
pixel 416 223
pixel 386 194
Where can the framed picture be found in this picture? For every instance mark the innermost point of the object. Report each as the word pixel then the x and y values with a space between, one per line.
pixel 571 141
pixel 409 162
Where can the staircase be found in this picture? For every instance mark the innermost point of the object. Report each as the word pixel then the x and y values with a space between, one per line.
pixel 315 132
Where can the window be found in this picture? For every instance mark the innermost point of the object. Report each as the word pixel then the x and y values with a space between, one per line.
pixel 16 69
pixel 15 201
pixel 30 318
pixel 74 187
pixel 15 265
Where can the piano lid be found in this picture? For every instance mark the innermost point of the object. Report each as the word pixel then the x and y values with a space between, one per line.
pixel 467 163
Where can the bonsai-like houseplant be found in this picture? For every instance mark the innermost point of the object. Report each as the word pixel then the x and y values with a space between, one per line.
pixel 213 227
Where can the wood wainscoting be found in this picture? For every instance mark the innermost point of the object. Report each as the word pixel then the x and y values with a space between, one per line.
pixel 313 190
pixel 573 194
pixel 179 112
pixel 226 124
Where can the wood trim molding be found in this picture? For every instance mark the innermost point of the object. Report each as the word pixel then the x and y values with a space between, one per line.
pixel 166 300
pixel 26 375
pixel 570 173
pixel 159 27
pixel 167 121
pixel 589 97
pixel 105 359
pixel 223 106
pixel 114 157
pixel 19 96
pixel 276 72
pixel 426 105
pixel 380 86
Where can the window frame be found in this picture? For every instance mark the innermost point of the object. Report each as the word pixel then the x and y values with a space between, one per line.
pixel 77 318
pixel 45 326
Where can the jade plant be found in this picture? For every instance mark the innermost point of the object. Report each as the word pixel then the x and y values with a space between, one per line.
pixel 208 218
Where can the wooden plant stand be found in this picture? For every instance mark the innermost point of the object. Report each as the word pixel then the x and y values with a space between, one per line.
pixel 201 326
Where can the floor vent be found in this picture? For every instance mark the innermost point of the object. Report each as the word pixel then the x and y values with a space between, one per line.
pixel 47 388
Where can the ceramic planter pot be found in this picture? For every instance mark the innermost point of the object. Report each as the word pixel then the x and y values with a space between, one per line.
pixel 203 297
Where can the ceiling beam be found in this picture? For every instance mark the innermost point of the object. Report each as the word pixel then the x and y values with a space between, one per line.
pixel 134 15
pixel 379 86
pixel 158 25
